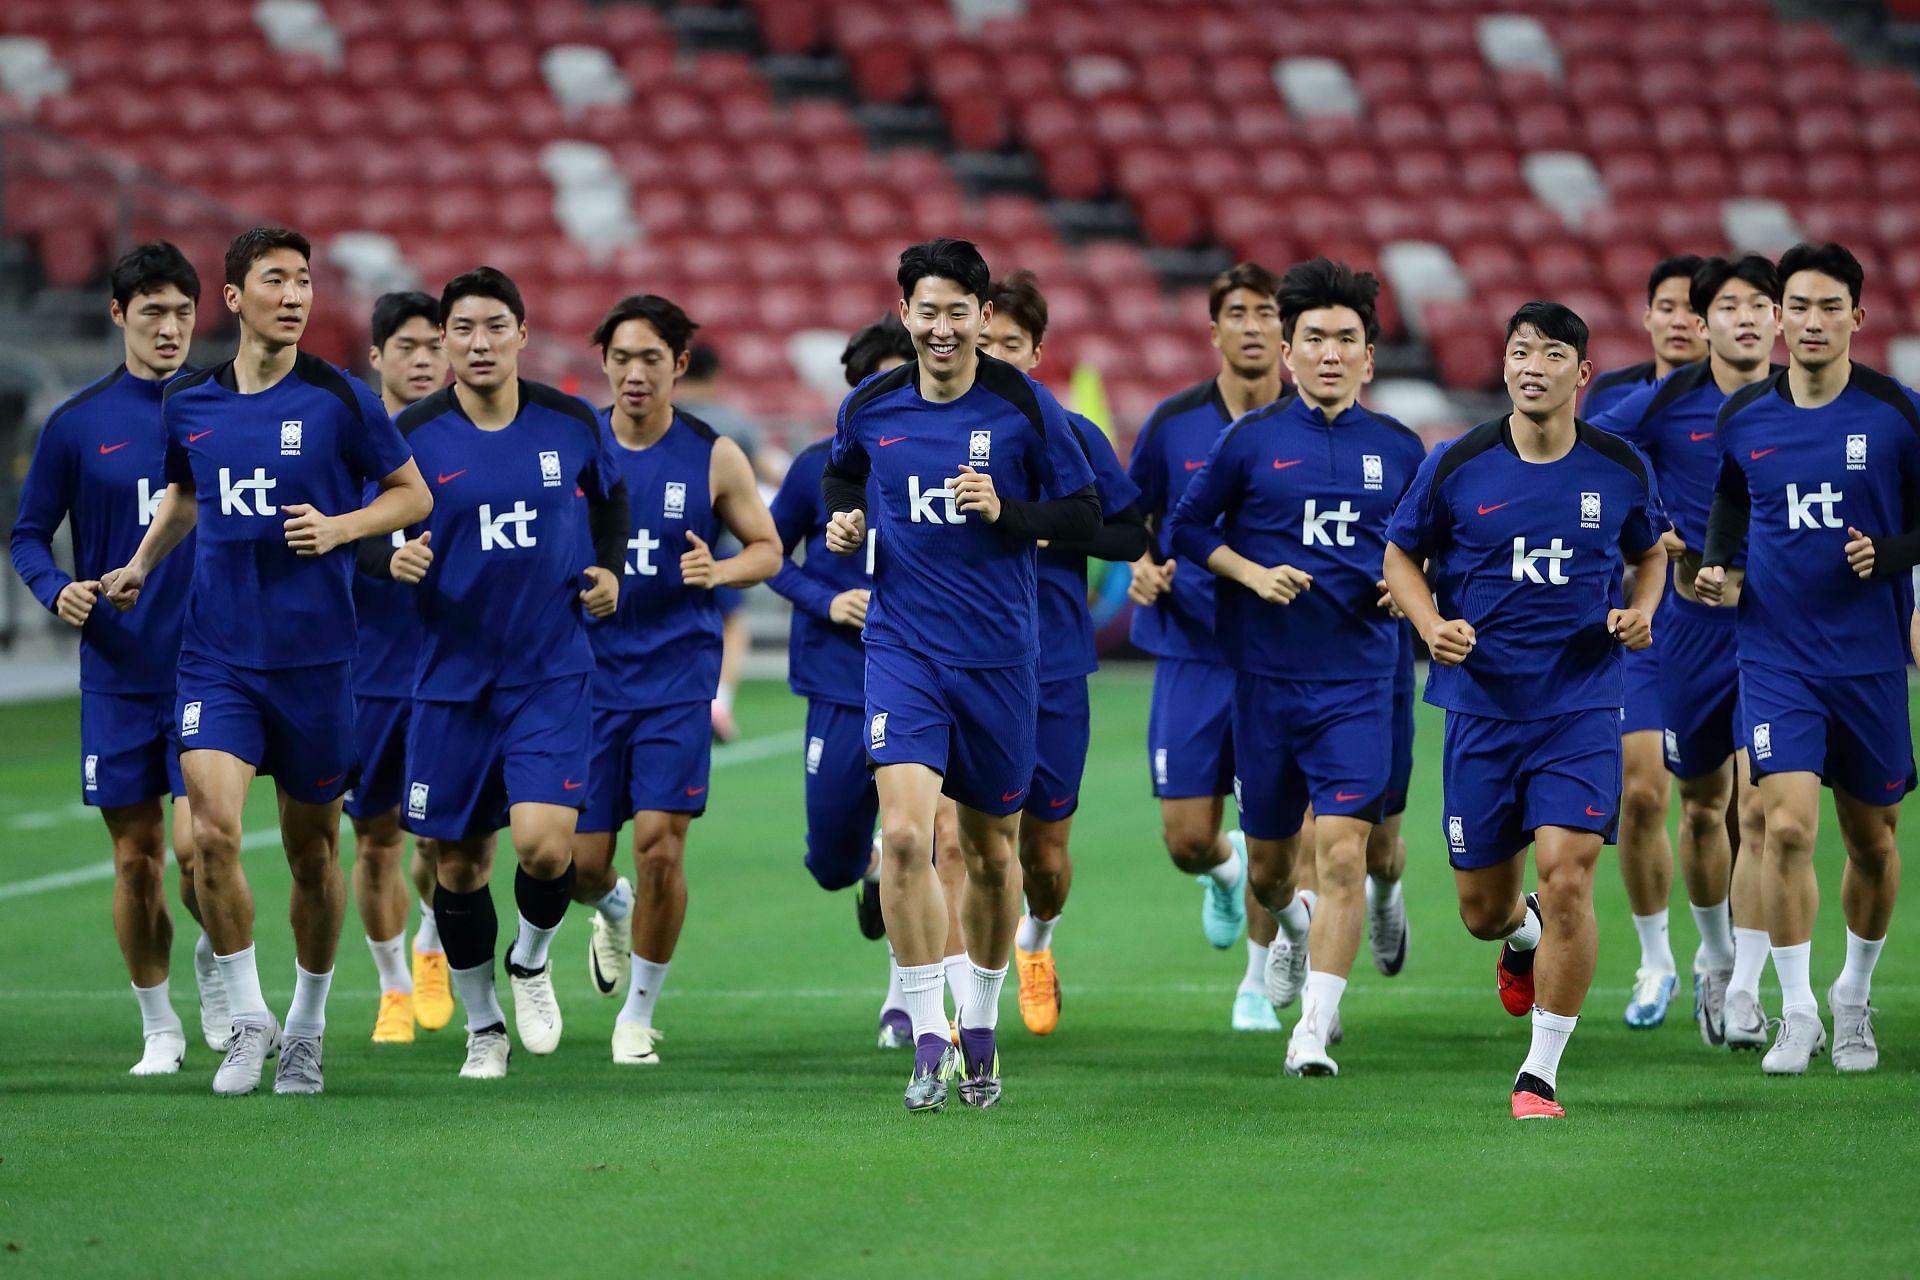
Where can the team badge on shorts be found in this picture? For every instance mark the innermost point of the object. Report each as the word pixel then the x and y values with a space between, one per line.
pixel 877 733
pixel 550 468
pixel 290 439
pixel 1589 511
pixel 190 719
pixel 676 508
pixel 1763 741
pixel 417 800
pixel 1456 835
pixel 979 447
pixel 1160 766
pixel 90 769
pixel 816 747
pixel 1673 747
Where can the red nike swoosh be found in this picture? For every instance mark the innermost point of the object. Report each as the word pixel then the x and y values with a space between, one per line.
pixel 578 492
pixel 1754 455
pixel 106 449
pixel 1895 785
pixel 452 475
pixel 1011 796
pixel 193 436
pixel 1282 466
pixel 695 791
pixel 886 440
pixel 571 786
pixel 1698 436
pixel 1487 511
pixel 1595 813
pixel 327 782
pixel 1195 466
pixel 1345 797
pixel 1061 803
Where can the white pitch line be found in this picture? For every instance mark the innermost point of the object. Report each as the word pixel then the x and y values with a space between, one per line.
pixel 731 753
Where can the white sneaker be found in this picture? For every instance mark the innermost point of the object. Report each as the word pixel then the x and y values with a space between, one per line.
pixel 164 1053
pixel 634 1045
pixel 488 1053
pixel 1854 1048
pixel 1251 1012
pixel 1387 933
pixel 1745 1023
pixel 1287 965
pixel 1307 1052
pixel 536 1013
pixel 216 1018
pixel 252 1043
pixel 610 950
pixel 1710 1004
pixel 1801 1037
pixel 299 1070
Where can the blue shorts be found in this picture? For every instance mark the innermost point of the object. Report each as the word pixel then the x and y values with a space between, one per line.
pixel 1400 762
pixel 128 753
pixel 1699 686
pixel 380 745
pixel 1503 779
pixel 469 763
pixel 1642 711
pixel 728 599
pixel 1309 741
pixel 294 724
pixel 1062 731
pixel 1854 731
pixel 1190 729
pixel 972 725
pixel 651 761
pixel 842 803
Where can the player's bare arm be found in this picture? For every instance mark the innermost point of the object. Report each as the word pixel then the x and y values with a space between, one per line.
pixel 736 500
pixel 1633 625
pixel 403 500
pixel 1449 640
pixel 1276 584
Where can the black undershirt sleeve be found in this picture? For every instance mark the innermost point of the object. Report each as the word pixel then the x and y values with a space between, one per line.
pixel 842 490
pixel 1074 518
pixel 1727 522
pixel 1121 537
pixel 607 521
pixel 373 557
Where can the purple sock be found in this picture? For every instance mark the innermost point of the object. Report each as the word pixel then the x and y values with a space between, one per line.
pixel 976 1047
pixel 927 1054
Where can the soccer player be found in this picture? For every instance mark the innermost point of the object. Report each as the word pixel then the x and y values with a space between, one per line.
pixel 1646 854
pixel 1290 512
pixel 269 456
pixel 412 365
pixel 501 729
pixel 1190 725
pixel 972 462
pixel 1524 522
pixel 99 464
pixel 1820 464
pixel 1016 334
pixel 657 656
pixel 1672 422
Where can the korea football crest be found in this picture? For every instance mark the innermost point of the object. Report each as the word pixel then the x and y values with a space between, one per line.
pixel 1856 453
pixel 550 468
pixel 1372 473
pixel 980 448
pixel 1589 511
pixel 290 439
pixel 676 504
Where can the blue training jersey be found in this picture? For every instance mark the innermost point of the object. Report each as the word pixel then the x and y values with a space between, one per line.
pixel 946 584
pixel 1807 475
pixel 662 645
pixel 318 436
pixel 1286 486
pixel 1610 388
pixel 824 658
pixel 500 604
pixel 1065 619
pixel 1529 554
pixel 1170 450
pixel 101 463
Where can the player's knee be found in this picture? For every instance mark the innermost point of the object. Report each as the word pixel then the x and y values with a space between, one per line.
pixel 1703 815
pixel 1193 850
pixel 660 858
pixel 1790 835
pixel 1873 850
pixel 139 864
pixel 1342 867
pixel 1566 885
pixel 216 840
pixel 1643 799
pixel 906 845
pixel 1486 919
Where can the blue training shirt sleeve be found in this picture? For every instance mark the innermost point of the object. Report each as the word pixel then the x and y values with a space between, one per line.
pixel 1625 416
pixel 1194 529
pixel 846 454
pixel 1064 468
pixel 377 449
pixel 45 498
pixel 179 466
pixel 1419 523
pixel 1646 520
pixel 807 594
pixel 1116 489
pixel 1146 471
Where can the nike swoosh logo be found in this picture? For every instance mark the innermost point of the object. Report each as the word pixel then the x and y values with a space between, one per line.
pixel 1698 436
pixel 1061 803
pixel 571 786
pixel 1346 797
pixel 451 475
pixel 1011 796
pixel 194 436
pixel 1487 511
pixel 1595 813
pixel 1895 785
pixel 1754 455
pixel 887 440
pixel 1195 466
pixel 327 782
pixel 106 449
pixel 1282 466
pixel 696 791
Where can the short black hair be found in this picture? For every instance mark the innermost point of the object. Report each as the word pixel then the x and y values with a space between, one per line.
pixel 392 310
pixel 482 282
pixel 668 320
pixel 867 348
pixel 1714 273
pixel 1680 264
pixel 944 259
pixel 1245 275
pixel 1553 321
pixel 149 268
pixel 703 362
pixel 256 243
pixel 1321 282
pixel 1828 259
pixel 1019 298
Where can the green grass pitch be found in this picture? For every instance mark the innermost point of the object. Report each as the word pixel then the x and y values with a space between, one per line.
pixel 1143 1138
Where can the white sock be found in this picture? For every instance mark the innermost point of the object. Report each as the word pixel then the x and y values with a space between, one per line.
pixel 981 1007
pixel 1382 895
pixel 156 1009
pixel 477 993
pixel 893 984
pixel 1791 966
pixel 243 985
pixel 1715 924
pixel 1527 936
pixel 1035 935
pixel 616 904
pixel 426 939
pixel 922 997
pixel 1255 978
pixel 1550 1033
pixel 957 968
pixel 529 949
pixel 643 990
pixel 1294 918
pixel 1750 947
pixel 307 1016
pixel 1855 983
pixel 1229 873
pixel 390 960
pixel 1320 1001
pixel 1655 952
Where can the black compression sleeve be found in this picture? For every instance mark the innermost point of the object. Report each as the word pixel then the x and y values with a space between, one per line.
pixel 1727 522
pixel 608 522
pixel 1074 518
pixel 1896 554
pixel 842 490
pixel 373 557
pixel 1122 537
